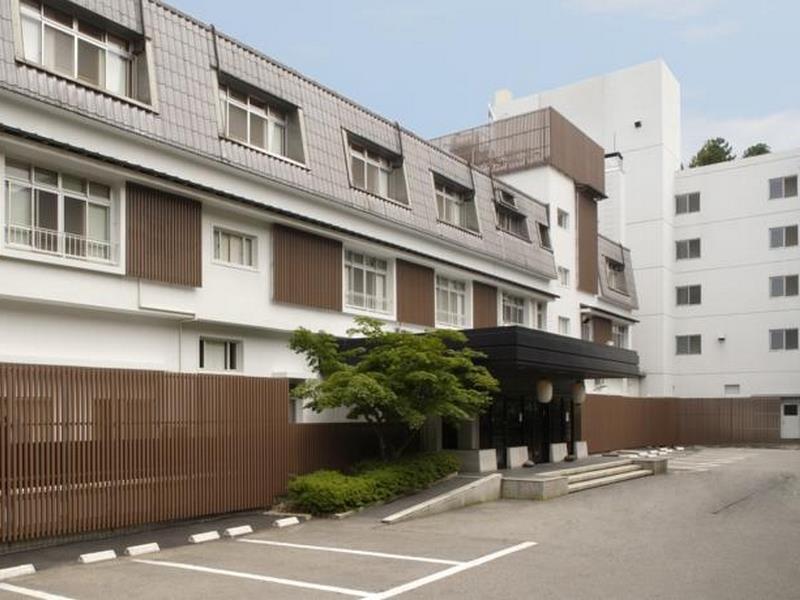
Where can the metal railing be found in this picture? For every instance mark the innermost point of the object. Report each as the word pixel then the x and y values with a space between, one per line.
pixel 60 243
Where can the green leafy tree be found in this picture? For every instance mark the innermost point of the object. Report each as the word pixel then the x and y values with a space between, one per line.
pixel 715 150
pixel 394 378
pixel 757 150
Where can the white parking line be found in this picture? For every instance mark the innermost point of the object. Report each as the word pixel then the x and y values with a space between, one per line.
pixel 417 583
pixel 15 589
pixel 266 578
pixel 439 561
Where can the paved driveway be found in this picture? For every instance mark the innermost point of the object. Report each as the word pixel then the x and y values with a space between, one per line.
pixel 730 529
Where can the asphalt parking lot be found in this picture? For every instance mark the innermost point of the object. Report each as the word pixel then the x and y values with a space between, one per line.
pixel 725 523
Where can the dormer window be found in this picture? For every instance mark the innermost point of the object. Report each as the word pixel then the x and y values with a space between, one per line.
pixel 509 219
pixel 616 276
pixel 544 236
pixel 252 121
pixel 375 170
pixel 455 205
pixel 81 50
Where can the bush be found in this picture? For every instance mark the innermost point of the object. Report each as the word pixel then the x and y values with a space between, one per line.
pixel 328 491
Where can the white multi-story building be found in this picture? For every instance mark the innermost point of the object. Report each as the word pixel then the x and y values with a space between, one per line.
pixel 716 254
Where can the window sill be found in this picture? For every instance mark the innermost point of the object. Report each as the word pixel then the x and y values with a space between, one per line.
pixel 31 255
pixel 477 234
pixel 286 159
pixel 221 263
pixel 523 238
pixel 97 89
pixel 365 312
pixel 391 201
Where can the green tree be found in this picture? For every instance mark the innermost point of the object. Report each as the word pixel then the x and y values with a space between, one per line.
pixel 757 150
pixel 715 150
pixel 394 378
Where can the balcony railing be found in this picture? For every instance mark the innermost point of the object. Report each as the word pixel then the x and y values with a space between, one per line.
pixel 60 243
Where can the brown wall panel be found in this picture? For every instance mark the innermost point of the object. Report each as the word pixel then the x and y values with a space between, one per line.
pixel 163 237
pixel 484 305
pixel 575 153
pixel 307 269
pixel 616 422
pixel 587 242
pixel 415 294
pixel 601 330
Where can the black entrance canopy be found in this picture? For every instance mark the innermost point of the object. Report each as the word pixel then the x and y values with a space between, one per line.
pixel 522 349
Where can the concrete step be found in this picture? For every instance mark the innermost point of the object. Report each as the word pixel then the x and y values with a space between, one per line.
pixel 593 483
pixel 599 473
pixel 587 468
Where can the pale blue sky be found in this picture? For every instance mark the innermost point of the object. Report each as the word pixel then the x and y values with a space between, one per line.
pixel 433 65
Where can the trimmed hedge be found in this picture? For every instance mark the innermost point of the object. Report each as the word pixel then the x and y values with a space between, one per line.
pixel 326 491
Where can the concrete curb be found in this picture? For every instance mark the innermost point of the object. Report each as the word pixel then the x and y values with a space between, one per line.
pixel 17 571
pixel 93 557
pixel 287 522
pixel 237 531
pixel 206 536
pixel 142 549
pixel 480 490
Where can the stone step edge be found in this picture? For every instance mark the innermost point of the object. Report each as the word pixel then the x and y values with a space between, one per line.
pixel 593 483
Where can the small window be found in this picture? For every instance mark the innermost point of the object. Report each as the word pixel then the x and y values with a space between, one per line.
pixel 687 203
pixel 563 326
pixel 366 282
pixel 451 302
pixel 783 237
pixel 619 335
pixel 539 314
pixel 783 339
pixel 509 219
pixel 563 276
pixel 616 276
pixel 783 187
pixel 562 217
pixel 220 355
pixel 234 248
pixel 80 50
pixel 513 309
pixel 732 389
pixel 376 171
pixel 254 121
pixel 688 294
pixel 687 249
pixel 544 236
pixel 688 344
pixel 587 331
pixel 455 205
pixel 790 410
pixel 783 285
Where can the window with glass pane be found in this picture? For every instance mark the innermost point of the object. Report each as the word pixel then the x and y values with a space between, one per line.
pixel 783 187
pixel 234 248
pixel 371 171
pixel 57 213
pixel 563 219
pixel 782 237
pixel 513 310
pixel 687 249
pixel 75 48
pixel 511 221
pixel 219 355
pixel 619 335
pixel 367 282
pixel 688 344
pixel 687 203
pixel 688 294
pixel 563 325
pixel 252 121
pixel 451 301
pixel 539 315
pixel 455 208
pixel 544 236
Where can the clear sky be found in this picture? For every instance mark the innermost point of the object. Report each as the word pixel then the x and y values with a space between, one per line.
pixel 433 65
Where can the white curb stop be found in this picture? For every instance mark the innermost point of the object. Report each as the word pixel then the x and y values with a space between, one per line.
pixel 17 571
pixel 237 531
pixel 93 557
pixel 142 549
pixel 206 536
pixel 287 522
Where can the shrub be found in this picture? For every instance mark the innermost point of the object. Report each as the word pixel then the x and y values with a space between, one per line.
pixel 328 491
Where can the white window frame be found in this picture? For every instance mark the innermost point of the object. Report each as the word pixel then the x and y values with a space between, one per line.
pixel 371 158
pixel 782 332
pixel 27 12
pixel 229 344
pixel 783 279
pixel 452 206
pixel 567 326
pixel 687 290
pixel 687 348
pixel 387 308
pixel 562 218
pixel 687 243
pixel 782 181
pixel 620 335
pixel 514 303
pixel 245 238
pixel 53 245
pixel 273 118
pixel 545 240
pixel 563 276
pixel 506 217
pixel 684 203
pixel 453 288
pixel 783 229
pixel 539 314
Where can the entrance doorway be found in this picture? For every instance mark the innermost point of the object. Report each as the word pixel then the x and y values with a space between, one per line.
pixel 790 419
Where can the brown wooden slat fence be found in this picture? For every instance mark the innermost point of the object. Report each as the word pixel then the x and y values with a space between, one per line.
pixel 615 422
pixel 97 449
